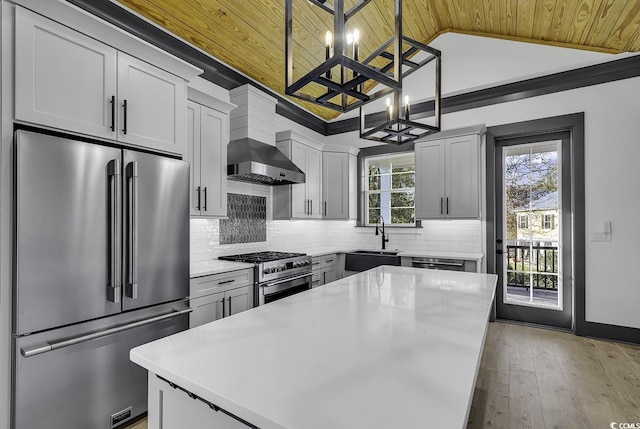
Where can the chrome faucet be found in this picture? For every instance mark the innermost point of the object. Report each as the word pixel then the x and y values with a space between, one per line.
pixel 384 238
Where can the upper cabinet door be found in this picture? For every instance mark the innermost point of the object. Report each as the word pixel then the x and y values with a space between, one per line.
pixel 192 156
pixel 335 185
pixel 462 177
pixel 299 198
pixel 313 177
pixel 214 136
pixel 151 105
pixel 63 79
pixel 430 188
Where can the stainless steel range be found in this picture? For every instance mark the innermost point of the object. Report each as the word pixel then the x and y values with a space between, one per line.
pixel 277 274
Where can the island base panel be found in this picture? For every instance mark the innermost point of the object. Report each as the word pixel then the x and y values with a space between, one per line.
pixel 173 408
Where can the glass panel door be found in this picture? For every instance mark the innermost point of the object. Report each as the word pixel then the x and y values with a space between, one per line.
pixel 531 222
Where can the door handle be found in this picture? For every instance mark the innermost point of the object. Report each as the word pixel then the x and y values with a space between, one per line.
pixel 55 345
pixel 198 198
pixel 114 288
pixel 124 121
pixel 132 178
pixel 205 199
pixel 113 113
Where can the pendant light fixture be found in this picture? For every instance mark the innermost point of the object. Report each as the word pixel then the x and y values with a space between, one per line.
pixel 397 126
pixel 345 89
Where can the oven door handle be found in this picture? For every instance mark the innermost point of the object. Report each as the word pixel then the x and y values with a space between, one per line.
pixel 288 279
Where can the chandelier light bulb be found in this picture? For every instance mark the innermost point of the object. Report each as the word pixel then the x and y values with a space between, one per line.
pixel 328 38
pixel 356 36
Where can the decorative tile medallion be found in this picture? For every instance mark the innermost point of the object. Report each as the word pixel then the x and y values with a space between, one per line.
pixel 247 221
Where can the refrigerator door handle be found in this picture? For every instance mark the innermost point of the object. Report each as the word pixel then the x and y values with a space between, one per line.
pixel 115 179
pixel 55 345
pixel 132 229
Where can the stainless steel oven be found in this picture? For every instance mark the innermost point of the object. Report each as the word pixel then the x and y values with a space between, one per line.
pixel 277 274
pixel 278 289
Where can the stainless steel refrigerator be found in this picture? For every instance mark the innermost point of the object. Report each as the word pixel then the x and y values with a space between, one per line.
pixel 101 266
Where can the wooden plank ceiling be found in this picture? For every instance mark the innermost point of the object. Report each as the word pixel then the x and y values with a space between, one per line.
pixel 249 34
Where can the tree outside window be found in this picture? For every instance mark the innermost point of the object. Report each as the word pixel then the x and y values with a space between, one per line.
pixel 390 189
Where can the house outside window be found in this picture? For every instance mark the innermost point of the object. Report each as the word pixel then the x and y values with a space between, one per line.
pixel 523 221
pixel 390 189
pixel 547 222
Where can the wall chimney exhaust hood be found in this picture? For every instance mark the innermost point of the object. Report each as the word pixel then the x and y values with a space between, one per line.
pixel 249 160
pixel 252 155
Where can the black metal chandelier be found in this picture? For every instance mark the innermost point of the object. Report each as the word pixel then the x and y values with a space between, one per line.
pixel 382 71
pixel 397 127
pixel 345 91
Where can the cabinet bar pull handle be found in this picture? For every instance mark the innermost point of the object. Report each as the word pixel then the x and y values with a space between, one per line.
pixel 441 205
pixel 223 309
pixel 113 113
pixel 447 205
pixel 325 208
pixel 114 289
pixel 311 207
pixel 124 122
pixel 226 282
pixel 55 345
pixel 205 199
pixel 229 306
pixel 198 198
pixel 306 207
pixel 132 177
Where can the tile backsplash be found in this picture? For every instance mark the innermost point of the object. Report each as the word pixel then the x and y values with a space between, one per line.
pixel 247 222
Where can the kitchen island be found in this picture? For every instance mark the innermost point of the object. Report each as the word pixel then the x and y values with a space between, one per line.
pixel 389 347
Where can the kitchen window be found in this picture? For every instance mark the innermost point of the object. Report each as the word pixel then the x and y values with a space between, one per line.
pixel 547 222
pixel 390 189
pixel 523 221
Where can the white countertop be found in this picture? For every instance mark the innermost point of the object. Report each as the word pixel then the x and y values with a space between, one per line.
pixel 389 347
pixel 216 266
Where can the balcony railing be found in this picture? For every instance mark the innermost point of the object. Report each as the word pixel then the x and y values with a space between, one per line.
pixel 532 266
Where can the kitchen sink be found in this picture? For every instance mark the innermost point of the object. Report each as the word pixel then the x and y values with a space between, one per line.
pixel 362 260
pixel 375 252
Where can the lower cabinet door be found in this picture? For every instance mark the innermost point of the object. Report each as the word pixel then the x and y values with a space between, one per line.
pixel 206 309
pixel 239 300
pixel 329 276
pixel 316 279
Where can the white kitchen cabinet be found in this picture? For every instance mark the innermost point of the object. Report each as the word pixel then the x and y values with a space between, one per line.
pixel 206 309
pixel 335 185
pixel 447 178
pixel 303 200
pixel 69 81
pixel 207 139
pixel 151 105
pixel 63 79
pixel 325 269
pixel 220 295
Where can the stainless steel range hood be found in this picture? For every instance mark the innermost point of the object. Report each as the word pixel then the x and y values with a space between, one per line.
pixel 249 160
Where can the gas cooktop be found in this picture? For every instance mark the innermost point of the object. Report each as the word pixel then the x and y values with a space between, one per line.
pixel 260 257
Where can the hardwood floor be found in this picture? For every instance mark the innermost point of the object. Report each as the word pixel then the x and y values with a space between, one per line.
pixel 542 379
pixel 538 378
